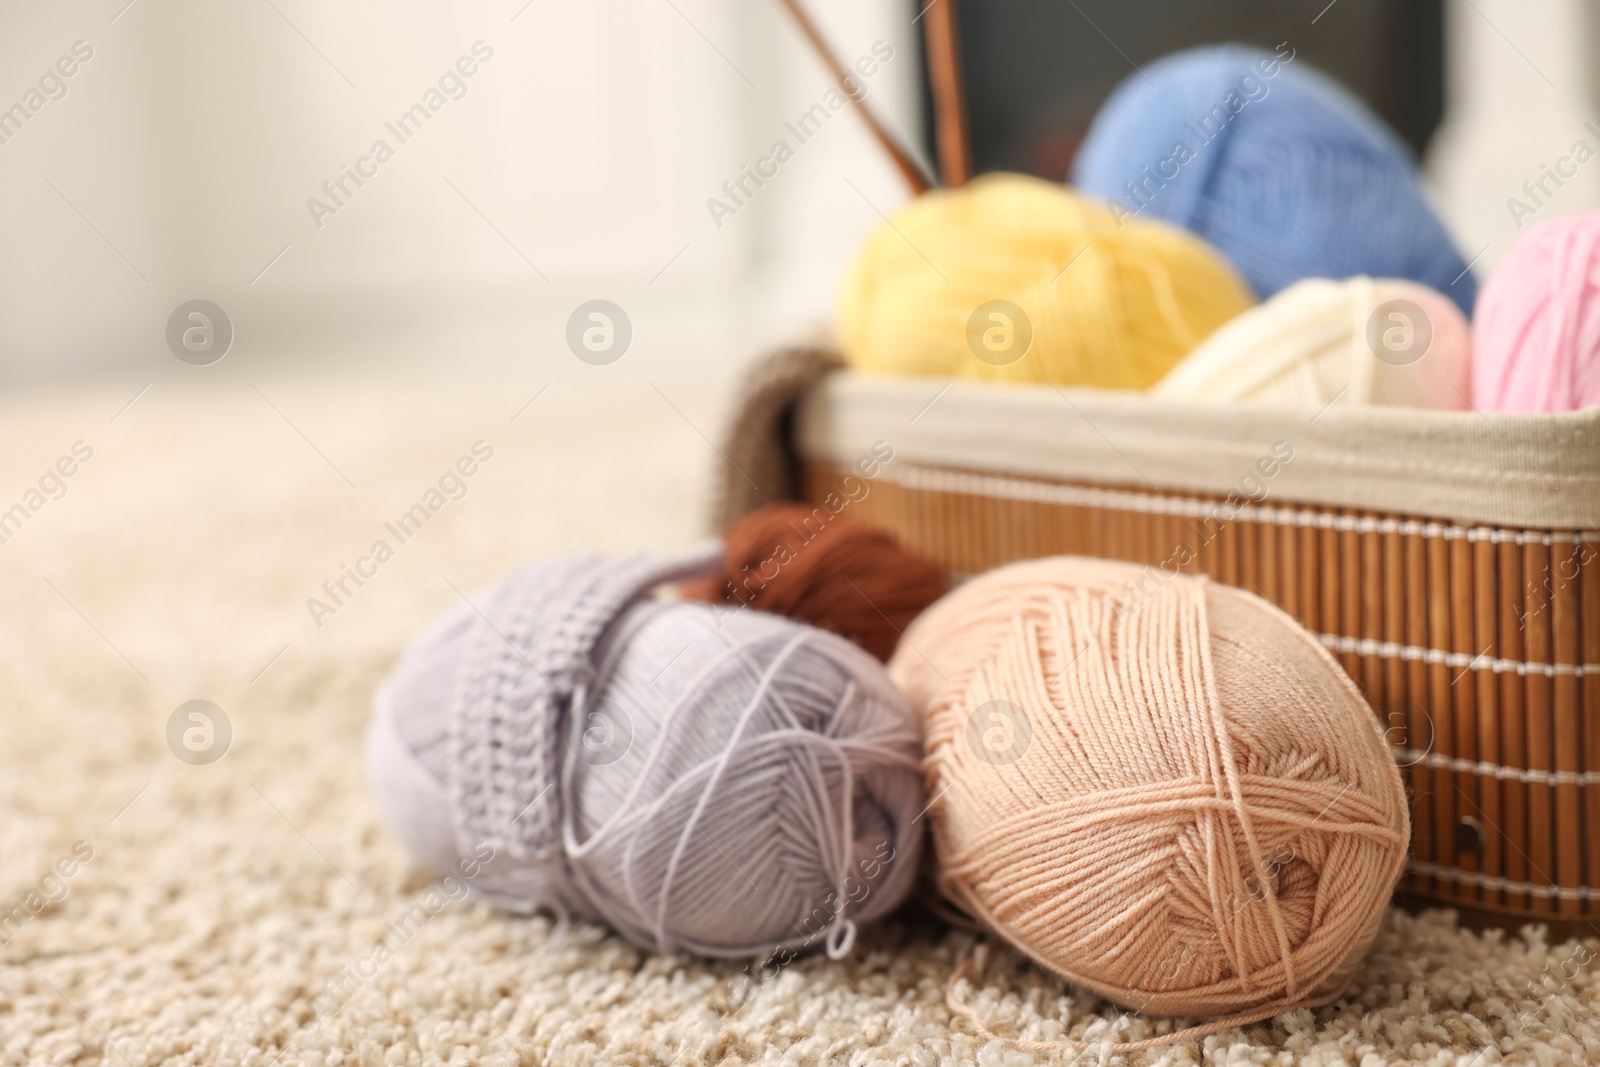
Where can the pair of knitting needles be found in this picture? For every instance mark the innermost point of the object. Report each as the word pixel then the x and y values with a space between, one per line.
pixel 939 29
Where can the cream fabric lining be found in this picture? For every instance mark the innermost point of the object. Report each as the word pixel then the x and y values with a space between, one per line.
pixel 1540 471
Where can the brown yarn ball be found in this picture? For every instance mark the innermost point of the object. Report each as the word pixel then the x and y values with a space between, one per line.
pixel 818 567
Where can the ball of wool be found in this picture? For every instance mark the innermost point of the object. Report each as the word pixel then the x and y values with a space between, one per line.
pixel 720 784
pixel 1284 171
pixel 1160 788
pixel 1537 332
pixel 1016 279
pixel 1320 342
pixel 822 568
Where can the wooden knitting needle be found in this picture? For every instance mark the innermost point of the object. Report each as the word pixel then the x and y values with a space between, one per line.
pixel 915 179
pixel 941 33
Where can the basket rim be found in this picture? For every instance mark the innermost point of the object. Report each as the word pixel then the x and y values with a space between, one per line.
pixel 1530 471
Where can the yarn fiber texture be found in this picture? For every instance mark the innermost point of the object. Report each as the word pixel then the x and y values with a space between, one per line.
pixel 1537 332
pixel 1160 788
pixel 1286 173
pixel 1102 304
pixel 722 783
pixel 825 569
pixel 1350 343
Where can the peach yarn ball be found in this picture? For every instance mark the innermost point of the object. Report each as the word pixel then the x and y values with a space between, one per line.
pixel 1161 788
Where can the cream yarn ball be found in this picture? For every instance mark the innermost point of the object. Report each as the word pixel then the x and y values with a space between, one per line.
pixel 1354 342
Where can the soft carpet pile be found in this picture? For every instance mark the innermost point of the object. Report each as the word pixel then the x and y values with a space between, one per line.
pixel 220 904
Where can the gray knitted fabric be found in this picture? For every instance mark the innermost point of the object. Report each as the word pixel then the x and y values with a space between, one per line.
pixel 475 715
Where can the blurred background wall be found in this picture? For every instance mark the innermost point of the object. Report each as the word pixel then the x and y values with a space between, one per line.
pixel 577 165
pixel 178 159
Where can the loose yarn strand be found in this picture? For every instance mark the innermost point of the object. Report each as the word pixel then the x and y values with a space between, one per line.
pixel 842 931
pixel 627 812
pixel 719 766
pixel 1200 640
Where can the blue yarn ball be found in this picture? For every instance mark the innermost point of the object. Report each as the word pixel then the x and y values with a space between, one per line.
pixel 1283 171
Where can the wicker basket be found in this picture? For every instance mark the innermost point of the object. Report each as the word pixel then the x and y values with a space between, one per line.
pixel 1450 561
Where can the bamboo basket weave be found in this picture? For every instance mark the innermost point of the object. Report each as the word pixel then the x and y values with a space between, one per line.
pixel 1450 562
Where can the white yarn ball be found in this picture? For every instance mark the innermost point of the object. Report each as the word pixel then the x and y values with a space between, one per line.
pixel 1353 342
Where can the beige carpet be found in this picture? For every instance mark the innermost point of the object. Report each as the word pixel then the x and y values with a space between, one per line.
pixel 219 901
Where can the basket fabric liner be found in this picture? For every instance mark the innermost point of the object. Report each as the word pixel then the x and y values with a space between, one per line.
pixel 1467 467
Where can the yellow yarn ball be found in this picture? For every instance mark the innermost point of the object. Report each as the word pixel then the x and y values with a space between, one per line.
pixel 1108 303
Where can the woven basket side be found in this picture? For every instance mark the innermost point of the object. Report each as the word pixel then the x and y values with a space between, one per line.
pixel 1477 646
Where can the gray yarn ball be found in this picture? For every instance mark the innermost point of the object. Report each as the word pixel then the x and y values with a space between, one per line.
pixel 704 780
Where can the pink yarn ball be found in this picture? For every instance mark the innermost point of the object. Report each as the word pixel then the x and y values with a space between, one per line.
pixel 1536 329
